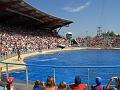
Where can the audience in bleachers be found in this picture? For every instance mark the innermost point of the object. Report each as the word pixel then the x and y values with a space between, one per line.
pixel 27 40
pixel 99 42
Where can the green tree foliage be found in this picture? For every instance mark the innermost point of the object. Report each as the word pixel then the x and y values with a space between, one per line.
pixel 110 34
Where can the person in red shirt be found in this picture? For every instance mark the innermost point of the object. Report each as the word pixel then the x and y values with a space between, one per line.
pixel 9 85
pixel 77 85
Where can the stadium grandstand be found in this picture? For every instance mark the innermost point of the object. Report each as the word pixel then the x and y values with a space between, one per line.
pixel 23 26
pixel 25 29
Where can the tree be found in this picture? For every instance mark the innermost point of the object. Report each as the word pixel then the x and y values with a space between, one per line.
pixel 110 34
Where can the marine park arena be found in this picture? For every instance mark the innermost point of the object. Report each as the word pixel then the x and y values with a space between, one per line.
pixel 34 55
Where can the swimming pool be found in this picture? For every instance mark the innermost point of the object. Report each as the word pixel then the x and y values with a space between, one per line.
pixel 73 58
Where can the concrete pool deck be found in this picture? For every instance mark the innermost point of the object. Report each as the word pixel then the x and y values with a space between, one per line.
pixel 15 60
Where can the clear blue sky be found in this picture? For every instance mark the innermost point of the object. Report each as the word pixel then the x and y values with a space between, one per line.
pixel 87 15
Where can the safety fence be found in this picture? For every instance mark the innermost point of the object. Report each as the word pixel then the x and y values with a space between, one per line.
pixel 88 73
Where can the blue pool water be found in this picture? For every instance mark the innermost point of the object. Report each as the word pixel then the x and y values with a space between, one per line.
pixel 73 58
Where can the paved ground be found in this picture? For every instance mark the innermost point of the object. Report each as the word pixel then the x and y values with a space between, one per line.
pixel 21 86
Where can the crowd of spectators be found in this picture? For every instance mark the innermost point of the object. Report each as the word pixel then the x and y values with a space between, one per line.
pixel 77 84
pixel 99 42
pixel 27 39
pixel 51 85
pixel 13 38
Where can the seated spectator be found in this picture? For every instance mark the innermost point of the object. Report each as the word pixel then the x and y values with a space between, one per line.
pixel 0 73
pixel 62 86
pixel 37 85
pixel 42 85
pixel 117 84
pixel 50 84
pixel 77 85
pixel 98 85
pixel 9 85
pixel 1 87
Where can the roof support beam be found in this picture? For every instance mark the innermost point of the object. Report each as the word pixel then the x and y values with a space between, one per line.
pixel 59 29
pixel 29 11
pixel 24 15
pixel 41 17
pixel 8 4
pixel 51 21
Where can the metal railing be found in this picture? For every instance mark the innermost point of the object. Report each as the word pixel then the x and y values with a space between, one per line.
pixel 54 69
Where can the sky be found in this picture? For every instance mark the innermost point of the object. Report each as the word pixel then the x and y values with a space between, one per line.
pixel 87 15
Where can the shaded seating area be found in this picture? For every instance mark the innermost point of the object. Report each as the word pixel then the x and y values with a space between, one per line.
pixel 25 27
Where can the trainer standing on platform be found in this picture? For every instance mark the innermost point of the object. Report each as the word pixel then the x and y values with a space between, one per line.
pixel 18 53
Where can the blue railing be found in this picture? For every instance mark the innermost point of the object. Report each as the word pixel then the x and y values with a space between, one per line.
pixel 54 68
